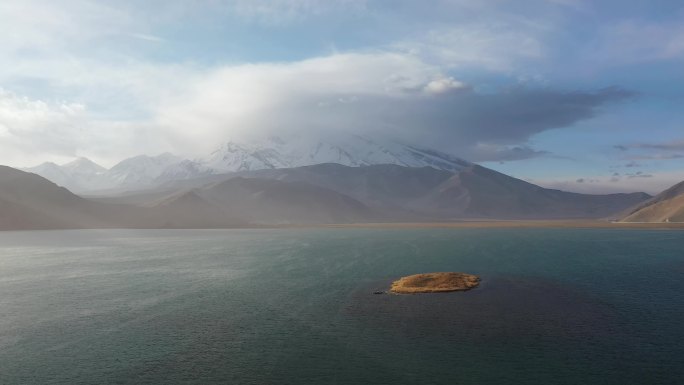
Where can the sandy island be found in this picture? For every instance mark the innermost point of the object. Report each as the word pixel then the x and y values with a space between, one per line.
pixel 435 283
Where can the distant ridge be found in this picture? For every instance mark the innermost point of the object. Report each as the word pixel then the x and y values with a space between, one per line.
pixel 398 193
pixel 268 201
pixel 326 193
pixel 30 202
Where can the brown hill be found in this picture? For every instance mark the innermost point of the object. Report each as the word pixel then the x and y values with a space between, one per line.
pixel 667 206
pixel 28 201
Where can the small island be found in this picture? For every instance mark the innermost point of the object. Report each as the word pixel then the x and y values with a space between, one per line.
pixel 435 283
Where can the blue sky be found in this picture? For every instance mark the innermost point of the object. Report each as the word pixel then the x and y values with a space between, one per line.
pixel 580 95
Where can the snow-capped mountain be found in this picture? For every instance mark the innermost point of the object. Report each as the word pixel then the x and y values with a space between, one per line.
pixel 352 150
pixel 82 175
pixel 52 172
pixel 185 169
pixel 140 171
pixel 83 166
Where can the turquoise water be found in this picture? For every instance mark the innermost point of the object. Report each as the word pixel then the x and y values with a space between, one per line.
pixel 295 306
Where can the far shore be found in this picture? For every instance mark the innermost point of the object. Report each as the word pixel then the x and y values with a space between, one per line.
pixel 572 224
pixel 464 224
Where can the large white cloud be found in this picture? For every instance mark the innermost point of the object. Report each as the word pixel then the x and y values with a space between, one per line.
pixel 29 127
pixel 314 95
pixel 33 131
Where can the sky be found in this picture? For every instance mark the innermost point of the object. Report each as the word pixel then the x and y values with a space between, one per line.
pixel 585 96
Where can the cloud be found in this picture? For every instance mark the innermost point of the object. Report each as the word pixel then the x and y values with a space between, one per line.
pixel 637 41
pixel 652 183
pixel 639 174
pixel 492 46
pixel 658 157
pixel 389 94
pixel 652 151
pixel 147 37
pixel 280 12
pixel 443 85
pixel 668 146
pixel 32 131
pixel 35 125
pixel 84 52
pixel 502 153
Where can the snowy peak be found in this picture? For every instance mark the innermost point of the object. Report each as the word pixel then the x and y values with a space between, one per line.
pixel 83 166
pixel 45 167
pixel 351 150
pixel 185 169
pixel 139 171
pixel 78 175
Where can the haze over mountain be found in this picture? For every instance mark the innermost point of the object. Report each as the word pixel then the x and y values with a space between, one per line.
pixel 317 194
pixel 298 180
pixel 398 193
pixel 265 153
pixel 408 193
pixel 82 175
pixel 667 206
pixel 268 201
pixel 29 201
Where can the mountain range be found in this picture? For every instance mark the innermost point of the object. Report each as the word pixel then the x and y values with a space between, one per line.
pixel 398 193
pixel 84 176
pixel 29 201
pixel 318 194
pixel 299 181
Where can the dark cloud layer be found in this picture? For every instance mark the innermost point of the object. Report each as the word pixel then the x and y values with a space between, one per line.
pixel 482 127
pixel 677 145
pixel 514 115
pixel 652 151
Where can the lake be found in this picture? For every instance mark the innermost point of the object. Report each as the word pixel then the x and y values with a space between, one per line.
pixel 296 306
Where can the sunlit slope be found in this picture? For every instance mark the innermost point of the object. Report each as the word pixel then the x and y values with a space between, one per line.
pixel 667 206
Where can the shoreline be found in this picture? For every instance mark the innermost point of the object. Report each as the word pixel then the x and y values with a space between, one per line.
pixel 465 224
pixel 570 224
